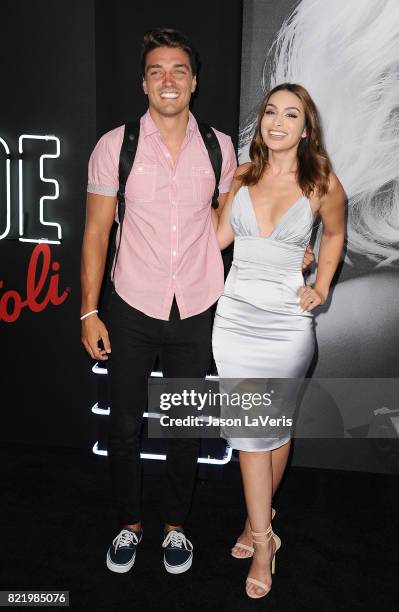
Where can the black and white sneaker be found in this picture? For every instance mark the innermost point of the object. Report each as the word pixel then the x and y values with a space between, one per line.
pixel 178 552
pixel 121 554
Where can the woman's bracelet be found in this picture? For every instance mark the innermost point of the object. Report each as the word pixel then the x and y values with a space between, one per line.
pixel 88 314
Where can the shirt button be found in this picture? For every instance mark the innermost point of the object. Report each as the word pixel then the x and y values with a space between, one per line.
pixel 174 228
pixel 174 253
pixel 174 276
pixel 167 154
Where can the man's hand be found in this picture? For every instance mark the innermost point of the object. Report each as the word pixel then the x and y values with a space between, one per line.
pixel 308 258
pixel 93 330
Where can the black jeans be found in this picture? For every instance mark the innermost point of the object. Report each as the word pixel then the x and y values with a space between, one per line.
pixel 185 350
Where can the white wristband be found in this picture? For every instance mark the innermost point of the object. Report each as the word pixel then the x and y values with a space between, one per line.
pixel 88 314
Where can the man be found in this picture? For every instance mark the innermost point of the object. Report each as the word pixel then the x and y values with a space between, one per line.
pixel 169 273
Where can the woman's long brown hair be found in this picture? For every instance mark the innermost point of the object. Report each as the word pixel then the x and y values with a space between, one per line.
pixel 314 165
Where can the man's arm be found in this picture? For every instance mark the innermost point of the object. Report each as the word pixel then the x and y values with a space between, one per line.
pixel 222 201
pixel 221 221
pixel 99 218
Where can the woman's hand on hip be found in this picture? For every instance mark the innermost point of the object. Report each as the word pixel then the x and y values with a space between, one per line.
pixel 309 298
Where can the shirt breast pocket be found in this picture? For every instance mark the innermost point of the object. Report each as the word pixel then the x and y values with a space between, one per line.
pixel 203 180
pixel 142 182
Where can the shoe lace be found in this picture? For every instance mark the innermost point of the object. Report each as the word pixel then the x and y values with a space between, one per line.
pixel 177 540
pixel 124 538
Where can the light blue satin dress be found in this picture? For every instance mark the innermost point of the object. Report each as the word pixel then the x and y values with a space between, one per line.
pixel 259 330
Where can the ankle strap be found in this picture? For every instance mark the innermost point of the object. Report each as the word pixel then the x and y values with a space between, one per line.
pixel 265 534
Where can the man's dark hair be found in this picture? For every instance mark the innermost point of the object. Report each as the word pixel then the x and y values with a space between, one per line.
pixel 166 37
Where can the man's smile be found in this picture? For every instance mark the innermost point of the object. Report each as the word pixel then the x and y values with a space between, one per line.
pixel 170 95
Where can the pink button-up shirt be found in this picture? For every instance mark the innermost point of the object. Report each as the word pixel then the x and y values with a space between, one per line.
pixel 168 245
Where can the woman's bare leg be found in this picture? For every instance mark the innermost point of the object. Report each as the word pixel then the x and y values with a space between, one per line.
pixel 279 461
pixel 257 477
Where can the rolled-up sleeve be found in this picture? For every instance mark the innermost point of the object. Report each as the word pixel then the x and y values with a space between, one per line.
pixel 229 164
pixel 104 163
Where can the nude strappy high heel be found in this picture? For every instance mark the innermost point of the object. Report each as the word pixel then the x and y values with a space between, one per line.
pixel 245 546
pixel 266 535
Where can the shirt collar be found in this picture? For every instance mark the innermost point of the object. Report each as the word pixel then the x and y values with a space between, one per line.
pixel 192 123
pixel 149 127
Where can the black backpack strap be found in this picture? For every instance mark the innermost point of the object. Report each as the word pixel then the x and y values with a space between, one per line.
pixel 126 159
pixel 215 155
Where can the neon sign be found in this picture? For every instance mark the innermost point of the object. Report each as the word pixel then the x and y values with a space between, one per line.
pixel 44 223
pixel 42 281
pixel 98 369
pixel 42 287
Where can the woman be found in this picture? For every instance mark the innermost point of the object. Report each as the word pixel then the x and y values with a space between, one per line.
pixel 263 324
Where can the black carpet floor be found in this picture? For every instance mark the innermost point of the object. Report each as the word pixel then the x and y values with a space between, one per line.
pixel 339 534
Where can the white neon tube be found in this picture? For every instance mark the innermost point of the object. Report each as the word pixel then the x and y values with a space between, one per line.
pixel 147 415
pixel 206 460
pixel 97 369
pixel 8 190
pixel 43 198
pixel 20 198
pixel 39 240
pixel 103 411
pixel 106 412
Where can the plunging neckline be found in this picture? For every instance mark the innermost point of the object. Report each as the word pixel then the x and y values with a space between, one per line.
pixel 289 209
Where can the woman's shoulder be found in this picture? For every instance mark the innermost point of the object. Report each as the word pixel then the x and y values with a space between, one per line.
pixel 335 194
pixel 334 185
